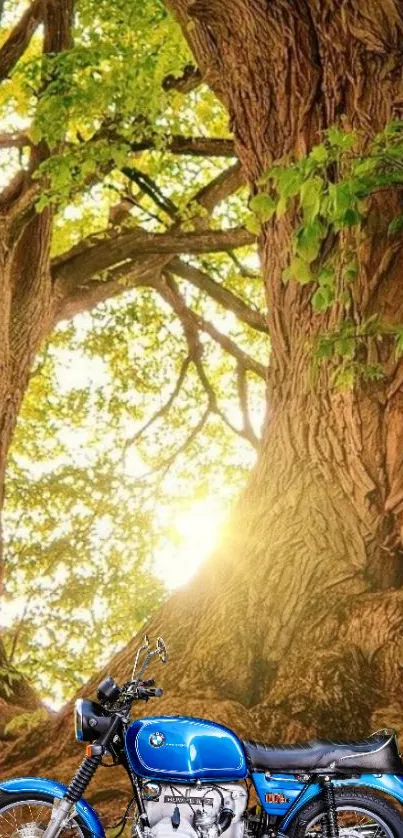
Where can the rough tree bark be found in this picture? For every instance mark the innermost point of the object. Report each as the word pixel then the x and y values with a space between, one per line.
pixel 294 626
pixel 25 237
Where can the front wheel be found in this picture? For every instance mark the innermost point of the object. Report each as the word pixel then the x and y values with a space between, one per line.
pixel 28 815
pixel 361 814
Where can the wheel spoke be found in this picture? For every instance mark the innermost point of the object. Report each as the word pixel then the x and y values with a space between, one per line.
pixel 353 823
pixel 29 818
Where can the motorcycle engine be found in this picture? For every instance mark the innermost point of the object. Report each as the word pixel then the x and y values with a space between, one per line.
pixel 203 811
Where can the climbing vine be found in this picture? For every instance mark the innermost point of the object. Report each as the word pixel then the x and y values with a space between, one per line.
pixel 332 189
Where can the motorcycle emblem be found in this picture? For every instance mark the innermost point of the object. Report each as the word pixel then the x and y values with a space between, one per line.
pixel 157 739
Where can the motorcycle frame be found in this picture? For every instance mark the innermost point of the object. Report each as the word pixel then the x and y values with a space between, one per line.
pixel 389 784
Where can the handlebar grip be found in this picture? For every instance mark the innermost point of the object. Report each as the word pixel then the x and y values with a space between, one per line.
pixel 149 692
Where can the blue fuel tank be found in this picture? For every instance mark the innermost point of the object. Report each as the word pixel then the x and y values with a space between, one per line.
pixel 186 749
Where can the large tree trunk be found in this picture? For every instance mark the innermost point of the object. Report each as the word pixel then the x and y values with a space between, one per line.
pixel 24 319
pixel 307 595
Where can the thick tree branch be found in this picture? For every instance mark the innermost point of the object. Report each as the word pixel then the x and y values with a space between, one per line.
pixel 90 258
pixel 14 141
pixel 177 144
pixel 58 20
pixel 232 348
pixel 218 292
pixel 190 146
pixel 83 282
pixel 72 295
pixel 19 38
pixel 220 188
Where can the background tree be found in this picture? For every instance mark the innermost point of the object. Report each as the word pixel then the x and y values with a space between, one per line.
pixel 96 108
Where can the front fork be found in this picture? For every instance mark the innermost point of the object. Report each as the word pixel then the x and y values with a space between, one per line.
pixel 63 810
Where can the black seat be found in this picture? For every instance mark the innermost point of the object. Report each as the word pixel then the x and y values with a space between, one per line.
pixel 379 754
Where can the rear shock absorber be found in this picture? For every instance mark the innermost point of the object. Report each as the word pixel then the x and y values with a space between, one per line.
pixel 331 810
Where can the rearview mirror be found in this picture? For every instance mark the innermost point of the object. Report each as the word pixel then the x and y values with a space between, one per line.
pixel 162 650
pixel 144 646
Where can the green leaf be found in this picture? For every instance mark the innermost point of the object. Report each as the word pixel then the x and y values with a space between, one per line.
pixel 281 207
pixel 253 225
pixel 326 277
pixel 340 139
pixel 345 346
pixel 399 343
pixel 308 241
pixel 351 270
pixel 325 348
pixel 298 270
pixel 289 182
pixel 322 298
pixel 341 197
pixel 263 206
pixel 319 153
pixel 350 218
pixel 310 198
pixel 35 133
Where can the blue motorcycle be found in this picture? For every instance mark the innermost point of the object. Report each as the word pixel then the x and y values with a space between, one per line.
pixel 193 778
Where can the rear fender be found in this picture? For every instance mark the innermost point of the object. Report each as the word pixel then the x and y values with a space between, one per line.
pixel 40 785
pixel 390 784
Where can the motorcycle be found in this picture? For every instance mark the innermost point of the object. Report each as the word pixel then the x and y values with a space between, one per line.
pixel 193 778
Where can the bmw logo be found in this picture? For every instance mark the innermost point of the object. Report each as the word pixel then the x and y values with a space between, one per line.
pixel 157 739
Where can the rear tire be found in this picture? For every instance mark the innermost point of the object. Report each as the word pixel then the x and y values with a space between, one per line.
pixel 387 822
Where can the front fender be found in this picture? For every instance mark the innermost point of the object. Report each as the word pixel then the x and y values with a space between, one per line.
pixel 41 785
pixel 390 784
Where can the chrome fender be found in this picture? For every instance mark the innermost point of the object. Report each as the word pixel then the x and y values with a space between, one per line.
pixel 43 786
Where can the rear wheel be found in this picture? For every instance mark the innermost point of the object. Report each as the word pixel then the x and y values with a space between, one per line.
pixel 361 814
pixel 28 815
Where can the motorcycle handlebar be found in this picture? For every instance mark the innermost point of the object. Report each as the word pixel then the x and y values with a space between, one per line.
pixel 149 692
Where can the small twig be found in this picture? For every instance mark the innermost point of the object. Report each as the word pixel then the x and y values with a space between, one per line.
pixel 164 409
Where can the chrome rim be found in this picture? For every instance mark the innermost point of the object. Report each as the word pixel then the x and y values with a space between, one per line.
pixel 29 819
pixel 354 822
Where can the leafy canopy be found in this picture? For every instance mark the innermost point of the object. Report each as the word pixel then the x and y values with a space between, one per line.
pixel 151 401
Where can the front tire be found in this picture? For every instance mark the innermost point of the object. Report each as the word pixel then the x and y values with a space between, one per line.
pixel 360 813
pixel 26 815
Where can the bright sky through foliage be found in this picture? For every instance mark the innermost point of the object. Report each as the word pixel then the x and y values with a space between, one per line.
pixel 144 410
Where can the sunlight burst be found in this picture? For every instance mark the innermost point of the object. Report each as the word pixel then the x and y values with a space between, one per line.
pixel 193 536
